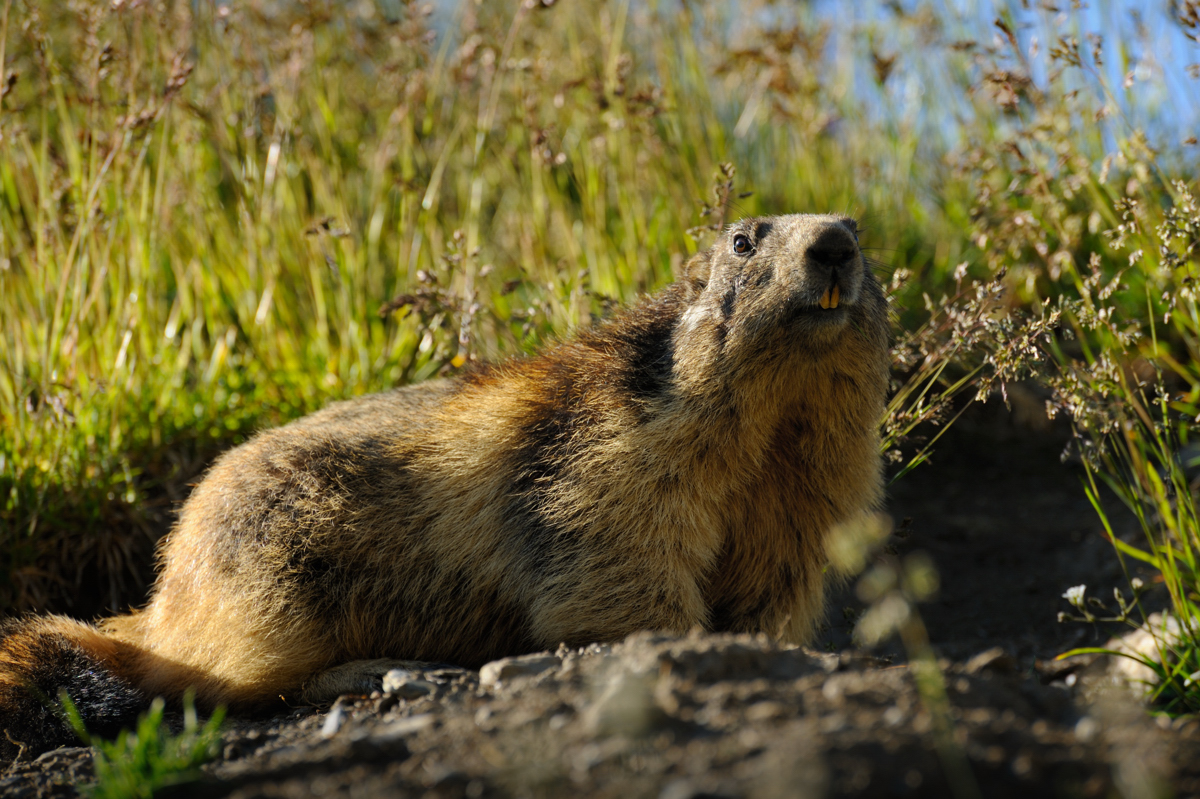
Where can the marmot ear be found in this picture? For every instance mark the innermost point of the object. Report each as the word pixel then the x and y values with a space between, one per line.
pixel 695 271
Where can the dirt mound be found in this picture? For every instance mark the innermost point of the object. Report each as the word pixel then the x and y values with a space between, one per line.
pixel 694 717
pixel 701 716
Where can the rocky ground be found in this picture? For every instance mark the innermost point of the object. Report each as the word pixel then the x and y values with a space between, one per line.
pixel 1009 529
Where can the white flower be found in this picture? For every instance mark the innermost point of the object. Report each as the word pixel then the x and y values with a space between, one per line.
pixel 1074 595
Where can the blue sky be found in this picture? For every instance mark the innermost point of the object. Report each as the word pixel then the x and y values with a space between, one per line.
pixel 1140 41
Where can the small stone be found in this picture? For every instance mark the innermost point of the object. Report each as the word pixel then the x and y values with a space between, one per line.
pixel 406 685
pixel 626 707
pixel 508 669
pixel 764 711
pixel 833 689
pixel 333 722
pixel 395 677
pixel 1159 634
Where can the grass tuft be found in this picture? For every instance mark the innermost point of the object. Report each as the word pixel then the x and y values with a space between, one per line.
pixel 150 757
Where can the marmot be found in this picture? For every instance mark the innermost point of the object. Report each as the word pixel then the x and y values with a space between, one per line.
pixel 676 466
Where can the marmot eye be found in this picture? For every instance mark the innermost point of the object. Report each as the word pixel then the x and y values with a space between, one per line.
pixel 741 244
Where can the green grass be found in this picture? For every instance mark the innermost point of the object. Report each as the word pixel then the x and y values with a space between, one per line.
pixel 1108 236
pixel 1142 444
pixel 149 757
pixel 218 218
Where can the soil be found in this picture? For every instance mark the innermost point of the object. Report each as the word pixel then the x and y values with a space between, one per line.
pixel 1009 528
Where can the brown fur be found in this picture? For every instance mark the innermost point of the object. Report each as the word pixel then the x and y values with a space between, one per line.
pixel 677 466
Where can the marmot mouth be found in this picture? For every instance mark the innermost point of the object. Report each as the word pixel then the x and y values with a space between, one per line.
pixel 820 314
pixel 828 308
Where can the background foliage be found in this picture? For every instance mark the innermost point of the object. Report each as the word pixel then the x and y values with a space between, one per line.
pixel 218 216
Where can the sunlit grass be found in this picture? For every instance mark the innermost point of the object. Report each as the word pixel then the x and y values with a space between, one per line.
pixel 149 757
pixel 1104 229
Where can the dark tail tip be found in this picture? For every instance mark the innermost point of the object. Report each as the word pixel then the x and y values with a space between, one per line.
pixel 38 659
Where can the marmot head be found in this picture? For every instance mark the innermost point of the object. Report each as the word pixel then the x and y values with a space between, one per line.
pixel 777 287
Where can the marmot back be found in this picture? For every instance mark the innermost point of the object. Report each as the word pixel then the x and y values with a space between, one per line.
pixel 677 466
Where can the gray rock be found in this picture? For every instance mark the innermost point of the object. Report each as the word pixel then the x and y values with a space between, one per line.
pixel 626 706
pixel 406 685
pixel 507 670
pixel 333 722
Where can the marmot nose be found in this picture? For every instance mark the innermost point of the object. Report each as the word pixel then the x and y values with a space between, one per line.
pixel 834 247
